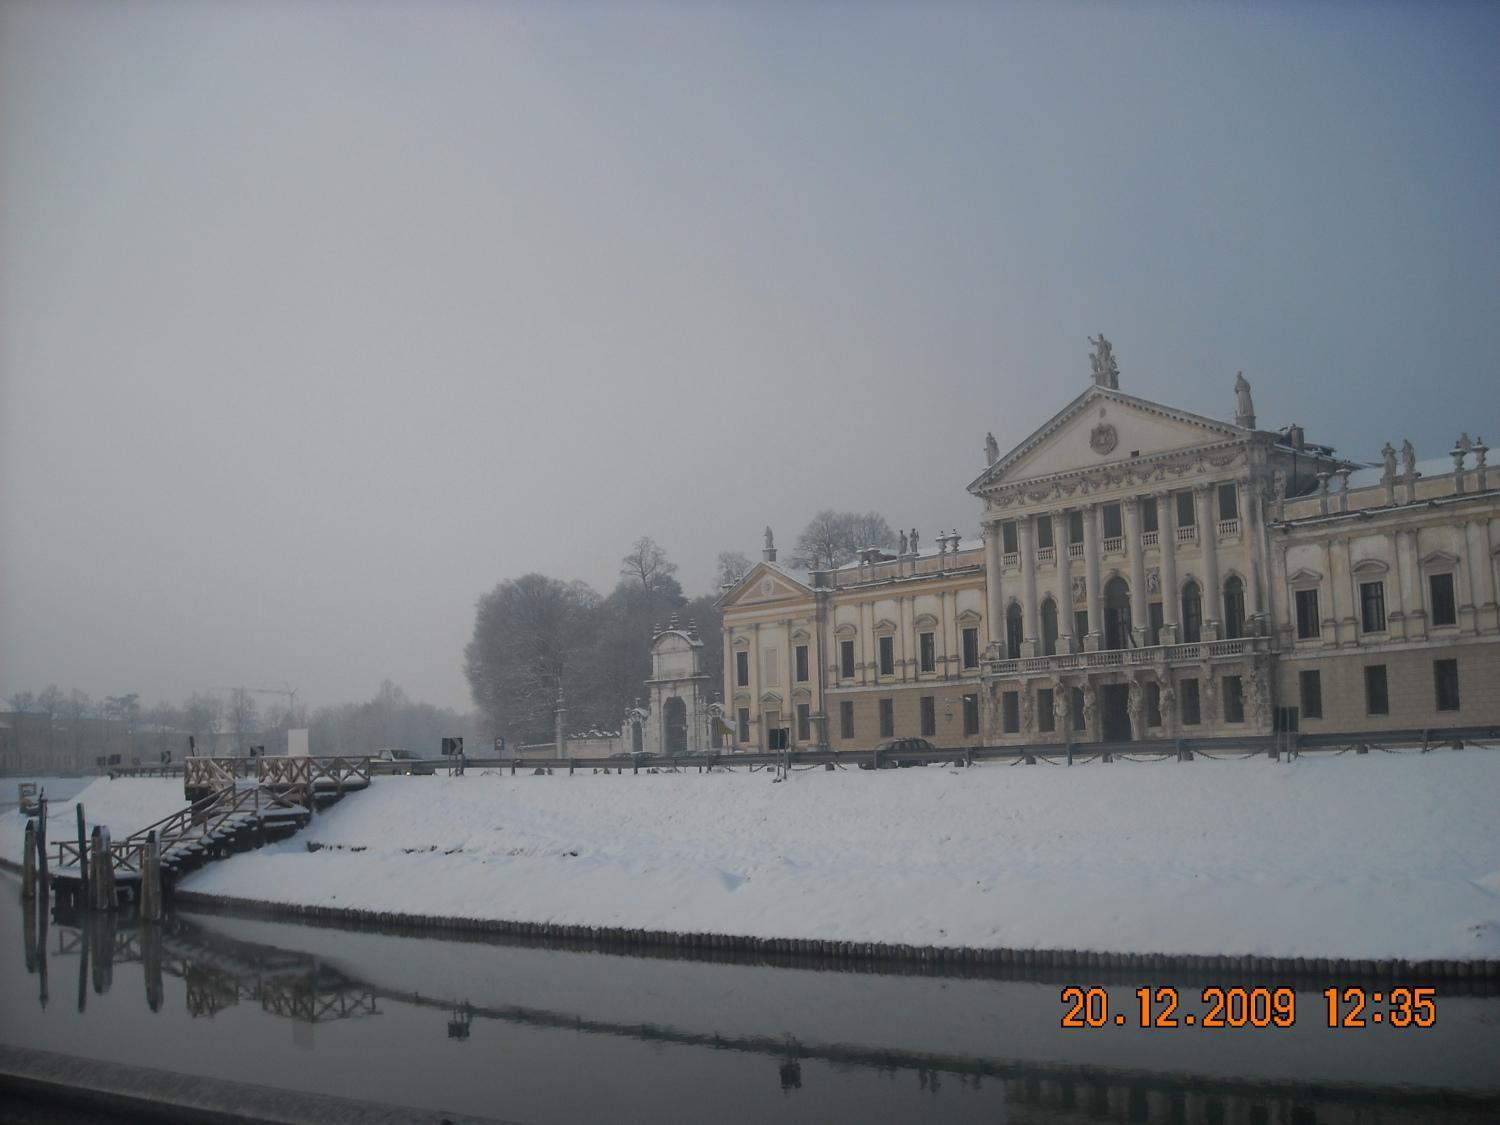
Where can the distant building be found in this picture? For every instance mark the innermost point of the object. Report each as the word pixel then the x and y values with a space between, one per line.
pixel 1143 572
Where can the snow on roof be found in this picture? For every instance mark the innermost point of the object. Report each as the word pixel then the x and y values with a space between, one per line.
pixel 928 552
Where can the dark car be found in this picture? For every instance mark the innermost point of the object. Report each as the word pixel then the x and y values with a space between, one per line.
pixel 395 760
pixel 889 754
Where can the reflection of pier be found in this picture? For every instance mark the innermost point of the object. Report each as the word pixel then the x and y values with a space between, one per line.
pixel 220 971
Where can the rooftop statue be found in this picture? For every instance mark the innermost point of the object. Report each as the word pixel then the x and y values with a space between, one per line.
pixel 1244 408
pixel 770 540
pixel 1408 458
pixel 1388 458
pixel 991 449
pixel 1102 360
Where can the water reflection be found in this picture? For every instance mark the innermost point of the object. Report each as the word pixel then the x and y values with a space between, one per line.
pixel 558 1028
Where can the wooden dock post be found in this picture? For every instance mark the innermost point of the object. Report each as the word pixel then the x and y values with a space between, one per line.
pixel 43 875
pixel 102 879
pixel 83 853
pixel 151 880
pixel 28 863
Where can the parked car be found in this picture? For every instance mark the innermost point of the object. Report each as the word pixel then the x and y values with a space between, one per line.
pixel 889 753
pixel 395 760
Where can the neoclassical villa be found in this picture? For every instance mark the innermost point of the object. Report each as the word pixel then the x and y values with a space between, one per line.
pixel 1143 572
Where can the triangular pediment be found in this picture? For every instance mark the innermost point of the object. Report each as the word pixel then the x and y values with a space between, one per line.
pixel 764 584
pixel 1099 427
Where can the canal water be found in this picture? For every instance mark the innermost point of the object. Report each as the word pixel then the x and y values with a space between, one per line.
pixel 545 1035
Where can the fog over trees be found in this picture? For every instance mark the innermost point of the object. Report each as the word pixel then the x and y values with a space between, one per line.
pixel 832 538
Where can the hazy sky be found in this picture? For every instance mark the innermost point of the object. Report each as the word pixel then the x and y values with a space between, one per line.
pixel 318 320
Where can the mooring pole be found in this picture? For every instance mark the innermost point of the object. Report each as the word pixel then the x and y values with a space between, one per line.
pixel 83 853
pixel 28 863
pixel 43 876
pixel 151 880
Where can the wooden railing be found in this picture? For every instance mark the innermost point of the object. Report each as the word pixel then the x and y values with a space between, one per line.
pixel 276 772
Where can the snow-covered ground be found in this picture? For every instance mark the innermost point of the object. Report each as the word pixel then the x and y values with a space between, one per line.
pixel 1353 856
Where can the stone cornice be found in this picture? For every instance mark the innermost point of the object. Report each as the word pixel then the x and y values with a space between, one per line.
pixel 1155 469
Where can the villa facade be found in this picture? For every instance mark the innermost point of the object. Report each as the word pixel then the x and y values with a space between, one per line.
pixel 1143 572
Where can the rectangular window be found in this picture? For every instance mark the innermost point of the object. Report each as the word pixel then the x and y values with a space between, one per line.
pixel 742 728
pixel 1044 531
pixel 1308 623
pixel 1148 514
pixel 1310 686
pixel 1372 607
pixel 846 660
pixel 800 656
pixel 1153 704
pixel 804 723
pixel 1229 502
pixel 887 656
pixel 971 714
pixel 846 718
pixel 1192 714
pixel 1010 712
pixel 1008 541
pixel 1445 681
pixel 887 718
pixel 1114 525
pixel 929 716
pixel 1186 515
pixel 1080 626
pixel 1444 609
pixel 742 669
pixel 1075 527
pixel 1078 709
pixel 1157 615
pixel 928 652
pixel 1046 721
pixel 1234 700
pixel 971 647
pixel 1377 699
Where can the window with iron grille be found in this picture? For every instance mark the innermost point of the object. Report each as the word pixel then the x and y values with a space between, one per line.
pixel 1377 698
pixel 927 651
pixel 929 716
pixel 1372 607
pixel 887 718
pixel 1445 681
pixel 846 718
pixel 1310 687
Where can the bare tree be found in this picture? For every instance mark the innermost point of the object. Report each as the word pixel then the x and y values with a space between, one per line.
pixel 833 538
pixel 22 701
pixel 733 565
pixel 243 716
pixel 647 564
pixel 204 715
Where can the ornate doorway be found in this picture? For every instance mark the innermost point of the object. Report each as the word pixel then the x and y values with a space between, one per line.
pixel 674 725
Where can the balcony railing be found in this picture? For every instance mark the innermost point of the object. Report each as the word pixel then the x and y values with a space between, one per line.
pixel 1011 558
pixel 1075 550
pixel 1046 554
pixel 1187 534
pixel 1114 544
pixel 1158 656
pixel 1149 538
pixel 1228 528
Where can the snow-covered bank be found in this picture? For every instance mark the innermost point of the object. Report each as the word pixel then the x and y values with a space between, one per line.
pixel 1371 857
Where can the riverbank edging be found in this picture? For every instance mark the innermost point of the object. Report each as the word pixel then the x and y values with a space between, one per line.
pixel 1079 960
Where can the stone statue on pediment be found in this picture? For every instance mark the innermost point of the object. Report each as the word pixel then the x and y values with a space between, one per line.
pixel 991 449
pixel 913 541
pixel 1388 459
pixel 1244 408
pixel 1409 459
pixel 1102 360
pixel 901 548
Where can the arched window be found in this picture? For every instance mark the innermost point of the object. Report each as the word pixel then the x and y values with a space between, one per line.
pixel 1049 627
pixel 1234 607
pixel 1013 632
pixel 1192 613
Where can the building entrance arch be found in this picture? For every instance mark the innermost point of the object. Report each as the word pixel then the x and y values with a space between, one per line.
pixel 674 725
pixel 1116 613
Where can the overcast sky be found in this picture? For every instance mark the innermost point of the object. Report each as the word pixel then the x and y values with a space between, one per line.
pixel 318 320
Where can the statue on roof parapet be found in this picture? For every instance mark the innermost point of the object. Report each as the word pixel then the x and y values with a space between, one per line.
pixel 1102 360
pixel 991 449
pixel 1244 408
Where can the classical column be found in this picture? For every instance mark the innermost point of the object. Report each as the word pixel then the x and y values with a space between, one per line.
pixel 1139 618
pixel 1091 576
pixel 1171 601
pixel 1028 573
pixel 994 617
pixel 1259 565
pixel 1208 543
pixel 1482 565
pixel 1065 640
